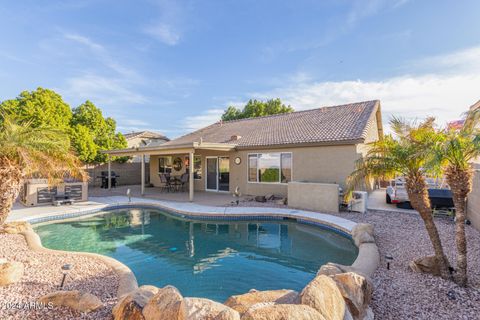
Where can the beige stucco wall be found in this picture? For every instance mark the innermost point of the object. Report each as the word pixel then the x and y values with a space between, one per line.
pixel 473 204
pixel 322 197
pixel 323 164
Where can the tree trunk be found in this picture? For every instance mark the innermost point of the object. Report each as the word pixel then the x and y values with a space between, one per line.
pixel 10 185
pixel 460 181
pixel 418 194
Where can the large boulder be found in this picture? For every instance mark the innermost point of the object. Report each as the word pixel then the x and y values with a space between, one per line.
pixel 10 272
pixel 15 227
pixel 331 269
pixel 362 233
pixel 356 290
pixel 205 309
pixel 243 302
pixel 323 295
pixel 283 312
pixel 165 305
pixel 426 265
pixel 76 300
pixel 130 306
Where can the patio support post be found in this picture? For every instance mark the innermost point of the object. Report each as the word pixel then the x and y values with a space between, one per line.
pixel 190 178
pixel 109 173
pixel 143 175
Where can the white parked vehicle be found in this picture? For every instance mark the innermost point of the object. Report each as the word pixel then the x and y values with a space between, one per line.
pixel 397 193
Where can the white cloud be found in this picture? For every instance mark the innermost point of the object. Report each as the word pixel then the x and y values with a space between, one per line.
pixel 101 90
pixel 164 33
pixel 199 121
pixel 103 55
pixel 445 93
pixel 169 24
pixel 362 9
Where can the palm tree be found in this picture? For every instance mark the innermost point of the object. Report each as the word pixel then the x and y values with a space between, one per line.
pixel 455 152
pixel 406 155
pixel 27 152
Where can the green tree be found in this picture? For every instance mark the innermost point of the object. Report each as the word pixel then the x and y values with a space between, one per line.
pixel 256 108
pixel 42 107
pixel 82 142
pixel 103 130
pixel 86 127
pixel 455 152
pixel 29 151
pixel 407 154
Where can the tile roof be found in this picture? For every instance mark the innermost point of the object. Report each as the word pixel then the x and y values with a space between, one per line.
pixel 331 125
pixel 144 134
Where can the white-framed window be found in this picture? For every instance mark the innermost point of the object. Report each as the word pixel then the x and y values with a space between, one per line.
pixel 165 165
pixel 275 167
pixel 197 167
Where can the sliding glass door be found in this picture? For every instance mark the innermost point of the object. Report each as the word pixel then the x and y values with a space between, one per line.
pixel 212 174
pixel 218 174
pixel 223 174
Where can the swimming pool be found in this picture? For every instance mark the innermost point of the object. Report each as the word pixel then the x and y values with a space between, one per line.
pixel 210 259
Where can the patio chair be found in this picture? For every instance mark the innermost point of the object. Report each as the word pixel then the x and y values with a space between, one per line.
pixel 184 179
pixel 166 185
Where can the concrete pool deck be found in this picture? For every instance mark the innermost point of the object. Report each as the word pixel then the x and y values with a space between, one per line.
pixel 95 204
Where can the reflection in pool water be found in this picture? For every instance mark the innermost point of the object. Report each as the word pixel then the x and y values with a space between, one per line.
pixel 204 259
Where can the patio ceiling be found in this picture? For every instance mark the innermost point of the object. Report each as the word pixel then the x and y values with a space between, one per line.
pixel 170 149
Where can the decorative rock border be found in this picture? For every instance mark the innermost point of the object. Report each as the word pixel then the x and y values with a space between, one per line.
pixel 127 280
pixel 351 297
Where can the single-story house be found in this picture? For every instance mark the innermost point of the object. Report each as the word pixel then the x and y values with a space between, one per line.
pixel 262 155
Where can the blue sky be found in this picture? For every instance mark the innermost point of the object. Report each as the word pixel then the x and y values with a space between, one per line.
pixel 173 66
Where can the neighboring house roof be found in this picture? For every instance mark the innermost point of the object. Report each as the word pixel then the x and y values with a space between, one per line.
pixel 331 125
pixel 145 135
pixel 475 106
pixel 456 124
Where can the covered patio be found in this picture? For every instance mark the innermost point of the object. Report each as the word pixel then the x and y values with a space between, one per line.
pixel 217 199
pixel 185 153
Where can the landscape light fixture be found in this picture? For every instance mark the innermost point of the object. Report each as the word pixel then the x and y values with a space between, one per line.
pixel 65 269
pixel 129 195
pixel 389 259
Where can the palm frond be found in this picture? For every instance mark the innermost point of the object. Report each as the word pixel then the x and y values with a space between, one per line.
pixel 38 151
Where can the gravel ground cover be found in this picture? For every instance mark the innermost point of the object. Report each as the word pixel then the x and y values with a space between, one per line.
pixel 43 275
pixel 399 293
pixel 402 294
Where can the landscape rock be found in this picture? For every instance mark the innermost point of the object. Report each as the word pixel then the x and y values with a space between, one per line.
pixel 76 300
pixel 131 305
pixel 323 295
pixel 425 265
pixel 15 227
pixel 283 312
pixel 243 302
pixel 205 309
pixel 357 291
pixel 164 305
pixel 11 272
pixel 331 269
pixel 362 233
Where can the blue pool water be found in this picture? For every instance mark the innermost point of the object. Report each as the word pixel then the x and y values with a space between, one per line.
pixel 204 259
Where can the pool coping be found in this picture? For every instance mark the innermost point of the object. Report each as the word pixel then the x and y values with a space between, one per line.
pixel 366 263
